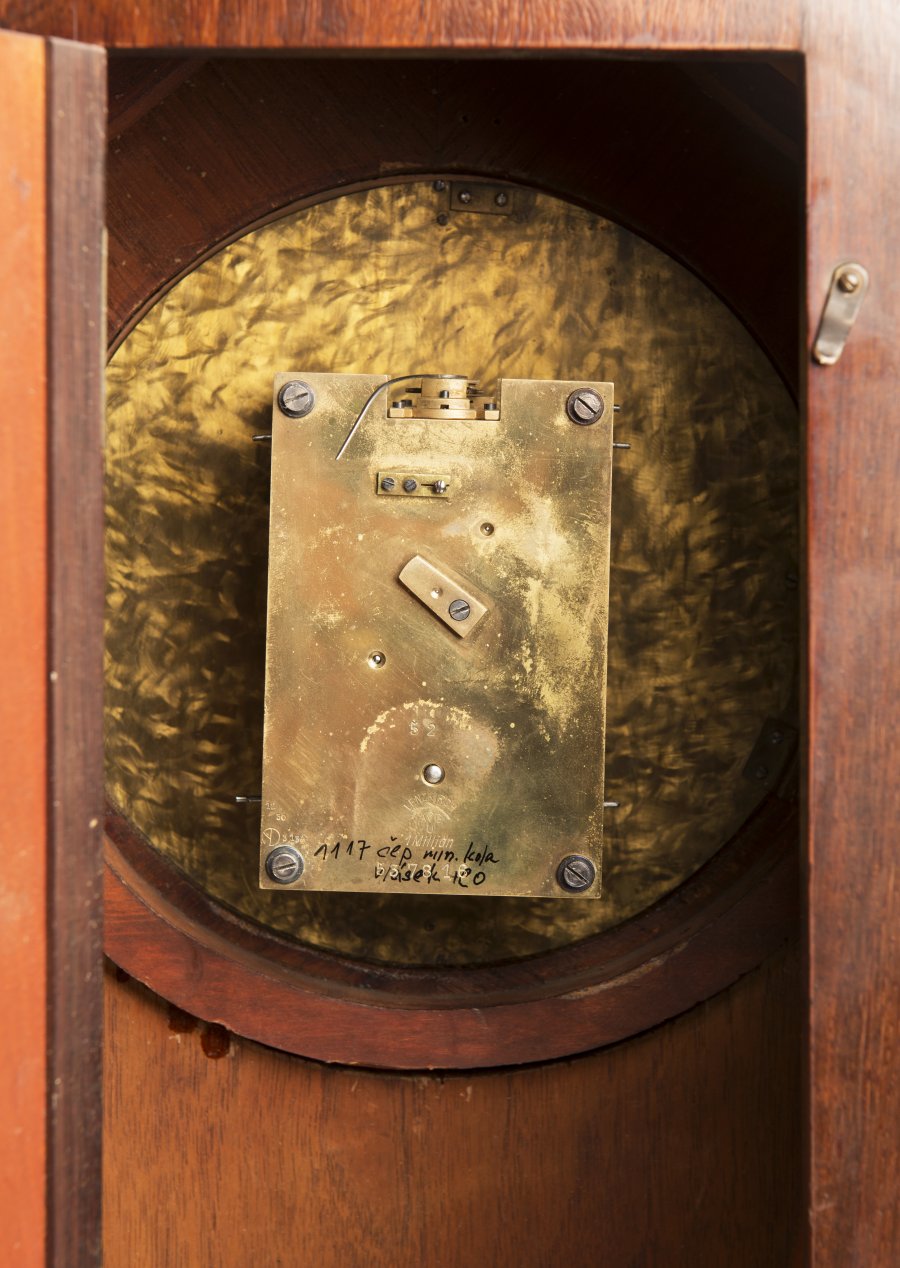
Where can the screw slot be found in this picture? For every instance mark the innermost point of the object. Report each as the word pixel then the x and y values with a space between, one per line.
pixel 296 399
pixel 584 406
pixel 459 610
pixel 284 865
pixel 576 873
pixel 410 485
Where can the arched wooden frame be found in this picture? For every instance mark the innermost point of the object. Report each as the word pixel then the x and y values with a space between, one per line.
pixel 723 921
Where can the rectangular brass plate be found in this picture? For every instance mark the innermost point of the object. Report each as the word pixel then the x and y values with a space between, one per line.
pixel 366 687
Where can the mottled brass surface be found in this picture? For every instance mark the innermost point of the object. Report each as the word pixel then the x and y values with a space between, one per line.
pixel 703 634
pixel 508 700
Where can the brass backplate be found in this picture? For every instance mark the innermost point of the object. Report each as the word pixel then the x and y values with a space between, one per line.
pixel 367 685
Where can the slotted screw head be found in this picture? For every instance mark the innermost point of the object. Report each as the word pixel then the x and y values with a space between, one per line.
pixel 576 873
pixel 440 486
pixel 584 406
pixel 459 610
pixel 410 485
pixel 284 864
pixel 296 399
pixel 388 483
pixel 849 281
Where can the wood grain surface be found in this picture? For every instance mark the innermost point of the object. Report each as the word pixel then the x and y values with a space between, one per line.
pixel 406 24
pixel 677 1149
pixel 721 923
pixel 644 143
pixel 23 648
pixel 852 570
pixel 853 788
pixel 76 110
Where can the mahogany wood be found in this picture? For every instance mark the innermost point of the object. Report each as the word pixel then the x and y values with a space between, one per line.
pixel 76 118
pixel 854 898
pixel 853 788
pixel 209 962
pixel 420 25
pixel 677 1149
pixel 23 651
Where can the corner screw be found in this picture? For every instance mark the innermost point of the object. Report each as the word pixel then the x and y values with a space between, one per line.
pixel 464 196
pixel 459 610
pixel 284 865
pixel 576 873
pixel 849 281
pixel 388 484
pixel 410 485
pixel 296 399
pixel 584 406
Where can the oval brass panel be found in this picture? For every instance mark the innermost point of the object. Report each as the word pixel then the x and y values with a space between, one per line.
pixel 703 628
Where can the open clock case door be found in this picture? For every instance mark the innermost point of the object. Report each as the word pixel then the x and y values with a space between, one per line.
pixel 384 278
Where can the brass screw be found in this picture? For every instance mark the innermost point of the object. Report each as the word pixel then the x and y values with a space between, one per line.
pixel 849 281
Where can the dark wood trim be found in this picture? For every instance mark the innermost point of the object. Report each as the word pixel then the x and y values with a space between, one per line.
pixel 853 703
pixel 76 104
pixel 23 651
pixel 214 964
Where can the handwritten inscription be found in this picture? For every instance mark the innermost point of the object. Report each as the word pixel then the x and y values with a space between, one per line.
pixel 413 860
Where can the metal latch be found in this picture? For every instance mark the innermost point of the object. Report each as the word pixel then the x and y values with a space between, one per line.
pixel 849 283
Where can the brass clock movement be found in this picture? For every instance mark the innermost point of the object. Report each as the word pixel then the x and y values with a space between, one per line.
pixel 437 630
